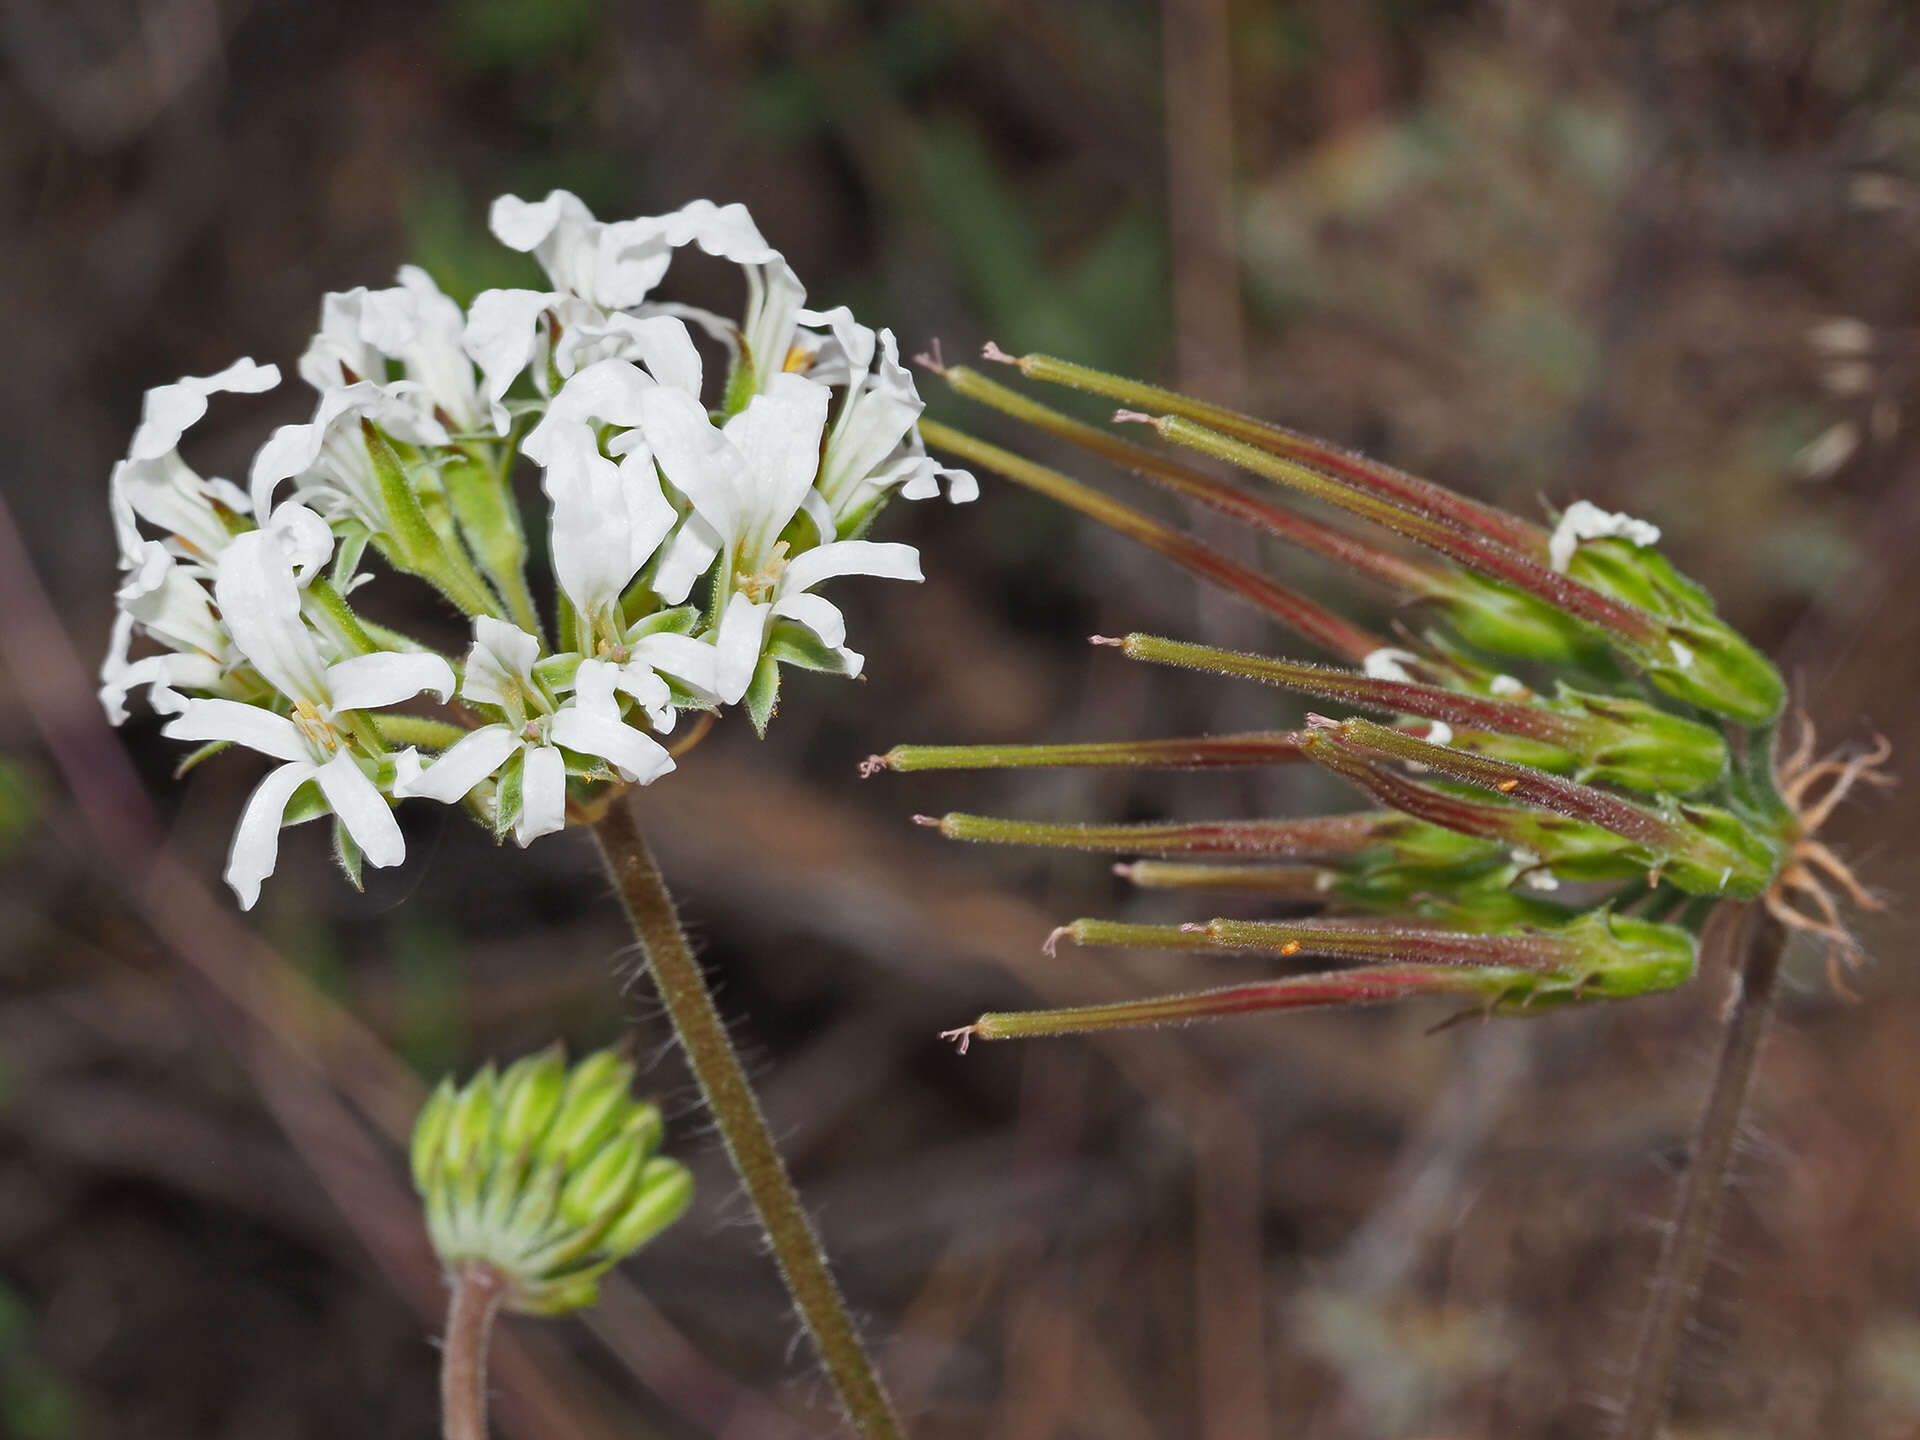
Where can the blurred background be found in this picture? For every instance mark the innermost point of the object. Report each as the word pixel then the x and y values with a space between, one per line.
pixel 1533 250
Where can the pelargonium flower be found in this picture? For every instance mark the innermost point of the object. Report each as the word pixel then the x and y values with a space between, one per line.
pixel 1603 764
pixel 693 517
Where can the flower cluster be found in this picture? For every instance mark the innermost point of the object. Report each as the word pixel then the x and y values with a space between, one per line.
pixel 691 526
pixel 1559 801
pixel 547 1174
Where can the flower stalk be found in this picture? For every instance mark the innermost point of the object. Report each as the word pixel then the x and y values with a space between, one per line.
pixel 743 1128
pixel 474 1299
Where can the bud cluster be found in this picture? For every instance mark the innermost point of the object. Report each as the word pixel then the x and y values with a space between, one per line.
pixel 546 1174
pixel 690 521
pixel 1573 752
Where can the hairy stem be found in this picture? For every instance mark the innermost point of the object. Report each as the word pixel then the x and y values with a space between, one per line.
pixel 742 1127
pixel 477 1289
pixel 1683 1261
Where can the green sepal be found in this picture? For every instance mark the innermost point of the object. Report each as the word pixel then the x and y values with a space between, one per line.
pixel 763 695
pixel 680 620
pixel 346 852
pixel 204 752
pixel 306 803
pixel 797 645
pixel 507 795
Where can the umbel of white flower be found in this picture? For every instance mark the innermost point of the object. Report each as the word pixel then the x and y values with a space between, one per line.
pixel 692 522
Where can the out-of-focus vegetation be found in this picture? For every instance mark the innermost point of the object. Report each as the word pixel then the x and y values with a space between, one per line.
pixel 1570 249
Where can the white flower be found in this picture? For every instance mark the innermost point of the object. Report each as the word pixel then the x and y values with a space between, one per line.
pixel 600 269
pixel 155 485
pixel 1583 520
pixel 412 323
pixel 161 594
pixel 259 600
pixel 500 672
pixel 747 482
pixel 328 457
pixel 874 446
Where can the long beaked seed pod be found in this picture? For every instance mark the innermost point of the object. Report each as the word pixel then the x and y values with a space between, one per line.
pixel 1296 611
pixel 1631 757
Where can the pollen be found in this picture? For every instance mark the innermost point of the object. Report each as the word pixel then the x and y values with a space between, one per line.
pixel 1292 947
pixel 1507 787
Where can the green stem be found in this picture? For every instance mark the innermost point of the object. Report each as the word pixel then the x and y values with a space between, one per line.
pixel 1683 1262
pixel 477 1290
pixel 742 1127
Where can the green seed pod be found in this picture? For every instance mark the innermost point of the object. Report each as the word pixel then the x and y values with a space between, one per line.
pixel 1699 658
pixel 1642 747
pixel 547 1175
pixel 1501 620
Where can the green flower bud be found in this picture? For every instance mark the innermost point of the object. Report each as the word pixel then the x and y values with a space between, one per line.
pixel 430 1133
pixel 665 1192
pixel 547 1175
pixel 530 1093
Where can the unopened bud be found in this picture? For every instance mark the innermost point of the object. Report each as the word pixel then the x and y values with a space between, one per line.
pixel 547 1176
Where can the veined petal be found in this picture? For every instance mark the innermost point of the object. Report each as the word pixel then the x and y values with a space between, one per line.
pixel 608 518
pixel 607 390
pixel 699 460
pixel 543 795
pixel 463 765
pixel 363 810
pixel 168 411
pixel 845 358
pixel 688 555
pixel 743 629
pixel 694 663
pixel 260 602
pixel 369 682
pixel 637 757
pixel 886 559
pixel 816 613
pixel 256 840
pixel 247 725
pixel 500 664
pixel 778 436
pixel 502 326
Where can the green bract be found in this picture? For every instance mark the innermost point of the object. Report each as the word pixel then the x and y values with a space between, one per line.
pixel 547 1174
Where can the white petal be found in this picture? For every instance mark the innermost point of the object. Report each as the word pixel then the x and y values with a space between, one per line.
pixel 694 663
pixel 696 458
pixel 688 556
pixel 608 518
pixel 256 840
pixel 369 682
pixel 543 795
pixel 247 725
pixel 500 664
pixel 1583 520
pixel 607 390
pixel 819 615
pixel 743 629
pixel 635 756
pixel 463 765
pixel 852 347
pixel 502 328
pixel 260 602
pixel 778 435
pixel 304 538
pixel 363 810
pixel 885 559
pixel 169 410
